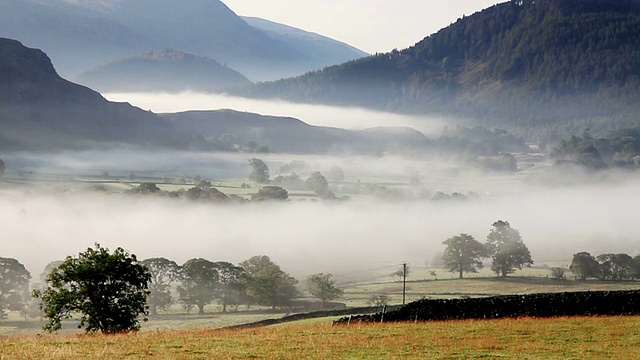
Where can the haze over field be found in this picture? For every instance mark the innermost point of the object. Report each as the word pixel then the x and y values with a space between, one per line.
pixel 321 115
pixel 344 238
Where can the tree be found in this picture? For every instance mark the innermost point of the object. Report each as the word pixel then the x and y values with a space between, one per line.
pixel 335 173
pixel 14 285
pixel 200 281
pixel 260 172
pixel 163 273
pixel 109 289
pixel 271 193
pixel 507 249
pixel 2 168
pixel 584 266
pixel 256 264
pixel 232 284
pixel 615 266
pixel 146 188
pixel 322 287
pixel 558 273
pixel 463 254
pixel 319 184
pixel 267 283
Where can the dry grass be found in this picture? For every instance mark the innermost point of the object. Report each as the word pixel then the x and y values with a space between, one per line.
pixel 560 338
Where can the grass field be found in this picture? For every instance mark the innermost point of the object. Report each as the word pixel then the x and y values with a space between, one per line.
pixel 557 338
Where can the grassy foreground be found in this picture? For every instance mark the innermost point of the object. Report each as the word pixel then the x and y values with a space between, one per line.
pixel 558 338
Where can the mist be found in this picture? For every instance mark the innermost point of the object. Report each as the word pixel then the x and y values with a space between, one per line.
pixel 319 115
pixel 357 236
pixel 557 213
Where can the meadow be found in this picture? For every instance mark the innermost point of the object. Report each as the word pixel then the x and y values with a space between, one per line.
pixel 526 338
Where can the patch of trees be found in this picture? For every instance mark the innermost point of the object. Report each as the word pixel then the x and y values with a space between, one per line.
pixel 113 291
pixel 591 303
pixel 619 149
pixel 504 245
pixel 202 191
pixel 608 267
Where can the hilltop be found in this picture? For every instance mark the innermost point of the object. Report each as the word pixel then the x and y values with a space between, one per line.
pixel 166 71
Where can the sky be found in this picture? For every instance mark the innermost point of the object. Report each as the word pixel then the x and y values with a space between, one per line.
pixel 370 25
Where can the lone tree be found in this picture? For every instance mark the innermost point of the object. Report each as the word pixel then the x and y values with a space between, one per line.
pixel 200 282
pixel 14 285
pixel 260 172
pixel 507 249
pixel 163 273
pixel 463 254
pixel 108 289
pixel 322 287
pixel 2 168
pixel 584 266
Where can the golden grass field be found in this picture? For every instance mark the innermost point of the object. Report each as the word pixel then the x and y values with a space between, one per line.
pixel 557 338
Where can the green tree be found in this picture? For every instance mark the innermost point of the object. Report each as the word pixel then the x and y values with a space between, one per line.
pixel 109 290
pixel 14 285
pixel 584 266
pixel 164 273
pixel 267 193
pixel 267 283
pixel 200 283
pixel 260 172
pixel 463 254
pixel 507 249
pixel 322 287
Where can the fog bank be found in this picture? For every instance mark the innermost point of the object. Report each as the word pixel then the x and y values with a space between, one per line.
pixel 320 115
pixel 311 237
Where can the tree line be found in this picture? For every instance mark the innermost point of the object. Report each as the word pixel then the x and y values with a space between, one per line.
pixel 608 267
pixel 111 290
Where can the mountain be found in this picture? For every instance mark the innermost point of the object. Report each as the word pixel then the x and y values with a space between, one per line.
pixel 167 71
pixel 319 49
pixel 540 68
pixel 80 35
pixel 40 111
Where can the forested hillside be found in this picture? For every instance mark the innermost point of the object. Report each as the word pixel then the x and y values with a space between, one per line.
pixel 542 68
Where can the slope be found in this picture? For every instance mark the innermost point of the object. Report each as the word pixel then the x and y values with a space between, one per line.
pixel 543 68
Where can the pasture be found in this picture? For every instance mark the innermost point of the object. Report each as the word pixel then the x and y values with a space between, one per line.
pixel 526 338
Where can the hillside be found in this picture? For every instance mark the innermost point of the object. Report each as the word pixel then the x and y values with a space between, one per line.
pixel 228 130
pixel 79 35
pixel 543 69
pixel 40 111
pixel 167 71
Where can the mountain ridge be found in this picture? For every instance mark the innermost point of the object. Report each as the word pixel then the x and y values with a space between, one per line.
pixel 79 35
